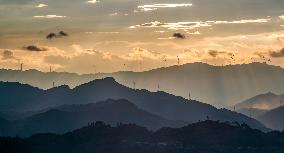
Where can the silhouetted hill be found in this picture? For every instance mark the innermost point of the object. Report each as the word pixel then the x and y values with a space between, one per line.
pixel 160 103
pixel 252 112
pixel 70 117
pixel 266 101
pixel 216 85
pixel 44 80
pixel 202 137
pixel 258 105
pixel 273 119
pixel 219 86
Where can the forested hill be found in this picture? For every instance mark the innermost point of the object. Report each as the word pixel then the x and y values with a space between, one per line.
pixel 201 137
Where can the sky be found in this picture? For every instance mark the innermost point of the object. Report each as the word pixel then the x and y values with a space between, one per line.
pixel 118 35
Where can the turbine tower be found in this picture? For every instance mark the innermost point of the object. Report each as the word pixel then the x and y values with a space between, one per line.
pixel 21 67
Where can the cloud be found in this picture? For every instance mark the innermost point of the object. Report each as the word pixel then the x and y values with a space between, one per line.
pixel 215 53
pixel 194 33
pixel 49 16
pixel 59 35
pixel 51 36
pixel 161 31
pixel 193 25
pixel 7 54
pixel 41 5
pixel 173 25
pixel 276 54
pixel 241 21
pixel 59 59
pixel 139 53
pixel 35 48
pixel 179 35
pixel 114 14
pixel 146 8
pixel 166 38
pixel 63 34
pixel 92 1
pixel 281 17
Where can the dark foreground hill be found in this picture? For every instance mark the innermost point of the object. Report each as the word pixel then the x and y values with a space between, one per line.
pixel 217 85
pixel 70 117
pixel 202 137
pixel 159 103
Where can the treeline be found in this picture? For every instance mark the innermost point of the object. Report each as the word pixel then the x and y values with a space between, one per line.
pixel 202 137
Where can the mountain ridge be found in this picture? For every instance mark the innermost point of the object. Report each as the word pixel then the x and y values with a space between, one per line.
pixel 159 103
pixel 220 86
pixel 70 117
pixel 273 118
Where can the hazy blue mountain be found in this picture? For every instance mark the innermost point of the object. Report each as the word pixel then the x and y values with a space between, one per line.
pixel 216 85
pixel 201 137
pixel 70 117
pixel 252 112
pixel 159 103
pixel 273 119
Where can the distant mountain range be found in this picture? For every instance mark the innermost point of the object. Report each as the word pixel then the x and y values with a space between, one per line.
pixel 266 101
pixel 216 85
pixel 273 119
pixel 17 97
pixel 267 108
pixel 201 137
pixel 70 117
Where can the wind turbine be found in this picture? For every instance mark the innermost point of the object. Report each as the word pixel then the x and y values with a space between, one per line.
pixel 21 68
pixel 124 67
pixel 50 69
pixel 165 60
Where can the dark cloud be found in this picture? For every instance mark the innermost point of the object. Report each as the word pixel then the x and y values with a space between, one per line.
pixel 62 33
pixel 179 35
pixel 35 48
pixel 55 35
pixel 279 53
pixel 7 54
pixel 215 53
pixel 51 36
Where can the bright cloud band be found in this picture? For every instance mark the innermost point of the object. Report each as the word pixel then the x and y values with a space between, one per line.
pixel 156 6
